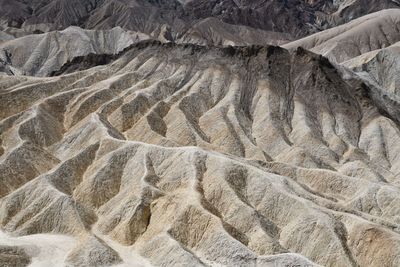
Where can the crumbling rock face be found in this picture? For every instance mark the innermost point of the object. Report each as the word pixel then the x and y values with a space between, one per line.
pixel 219 33
pixel 360 36
pixel 380 67
pixel 13 257
pixel 41 54
pixel 297 18
pixel 92 252
pixel 191 155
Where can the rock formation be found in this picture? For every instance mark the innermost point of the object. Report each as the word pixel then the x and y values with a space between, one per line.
pixel 238 156
pixel 13 257
pixel 297 18
pixel 360 36
pixel 41 54
pixel 381 67
pixel 178 133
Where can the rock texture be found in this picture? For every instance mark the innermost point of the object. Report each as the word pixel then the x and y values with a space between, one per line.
pixel 92 252
pixel 13 257
pixel 295 17
pixel 175 133
pixel 381 67
pixel 41 54
pixel 367 46
pixel 215 32
pixel 5 36
pixel 194 156
pixel 360 36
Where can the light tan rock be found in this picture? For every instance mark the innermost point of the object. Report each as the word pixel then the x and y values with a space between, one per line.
pixel 186 155
pixel 374 31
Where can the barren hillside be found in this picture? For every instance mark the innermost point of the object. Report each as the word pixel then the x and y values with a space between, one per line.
pixel 192 156
pixel 297 18
pixel 360 36
pixel 169 133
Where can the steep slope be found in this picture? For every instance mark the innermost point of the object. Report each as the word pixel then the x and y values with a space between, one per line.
pixel 297 18
pixel 381 67
pixel 5 37
pixel 190 155
pixel 139 15
pixel 41 54
pixel 214 32
pixel 45 14
pixel 363 35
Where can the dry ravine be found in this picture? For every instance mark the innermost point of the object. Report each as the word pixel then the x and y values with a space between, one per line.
pixel 184 155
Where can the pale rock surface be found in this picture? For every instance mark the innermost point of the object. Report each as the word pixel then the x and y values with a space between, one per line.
pixel 92 252
pixel 41 54
pixel 196 156
pixel 290 17
pixel 11 256
pixel 381 67
pixel 374 31
pixel 215 32
pixel 5 36
pixel 39 250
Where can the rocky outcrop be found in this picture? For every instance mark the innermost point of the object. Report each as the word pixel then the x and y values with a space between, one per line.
pixel 13 257
pixel 360 36
pixel 380 67
pixel 41 54
pixel 297 18
pixel 192 155
pixel 92 252
pixel 211 31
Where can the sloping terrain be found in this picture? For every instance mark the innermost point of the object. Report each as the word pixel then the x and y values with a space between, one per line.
pixel 45 53
pixel 381 67
pixel 41 54
pixel 214 32
pixel 194 156
pixel 367 48
pixel 360 36
pixel 5 37
pixel 156 133
pixel 297 18
pixel 46 14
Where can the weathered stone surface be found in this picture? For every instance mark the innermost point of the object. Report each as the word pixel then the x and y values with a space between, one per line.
pixel 192 155
pixel 92 252
pixel 172 18
pixel 13 257
pixel 41 54
pixel 360 36
pixel 380 67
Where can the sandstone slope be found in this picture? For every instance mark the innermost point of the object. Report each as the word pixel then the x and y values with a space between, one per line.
pixel 363 35
pixel 41 54
pixel 188 155
pixel 381 67
pixel 214 32
pixel 297 18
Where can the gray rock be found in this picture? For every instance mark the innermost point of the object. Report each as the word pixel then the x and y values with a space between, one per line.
pixel 13 257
